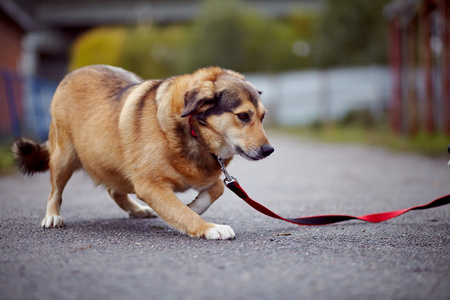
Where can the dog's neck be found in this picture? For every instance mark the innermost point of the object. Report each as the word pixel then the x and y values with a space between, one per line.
pixel 194 134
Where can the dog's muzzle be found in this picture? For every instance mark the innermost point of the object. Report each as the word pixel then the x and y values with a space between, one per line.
pixel 266 150
pixel 256 154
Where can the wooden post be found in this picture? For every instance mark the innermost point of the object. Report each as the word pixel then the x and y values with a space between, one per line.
pixel 444 6
pixel 396 64
pixel 412 120
pixel 430 126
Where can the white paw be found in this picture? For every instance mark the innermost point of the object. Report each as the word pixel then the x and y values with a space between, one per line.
pixel 220 232
pixel 143 212
pixel 52 222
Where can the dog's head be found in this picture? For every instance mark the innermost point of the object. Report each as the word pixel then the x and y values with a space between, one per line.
pixel 228 114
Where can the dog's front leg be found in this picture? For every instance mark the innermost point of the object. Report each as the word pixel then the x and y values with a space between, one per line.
pixel 206 197
pixel 167 205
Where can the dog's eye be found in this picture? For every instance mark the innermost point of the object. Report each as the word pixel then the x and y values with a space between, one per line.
pixel 263 116
pixel 244 117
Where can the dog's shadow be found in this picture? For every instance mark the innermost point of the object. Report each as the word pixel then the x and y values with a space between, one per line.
pixel 117 228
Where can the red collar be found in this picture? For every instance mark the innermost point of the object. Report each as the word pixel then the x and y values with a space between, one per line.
pixel 193 133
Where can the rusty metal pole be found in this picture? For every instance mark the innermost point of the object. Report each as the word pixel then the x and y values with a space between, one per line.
pixel 430 126
pixel 412 120
pixel 444 6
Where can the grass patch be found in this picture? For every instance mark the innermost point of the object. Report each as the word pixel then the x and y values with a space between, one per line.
pixel 433 145
pixel 6 159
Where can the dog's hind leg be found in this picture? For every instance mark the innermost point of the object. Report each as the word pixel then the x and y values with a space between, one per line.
pixel 63 162
pixel 206 197
pixel 134 209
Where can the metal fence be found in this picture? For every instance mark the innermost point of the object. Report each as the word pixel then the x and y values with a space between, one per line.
pixel 303 97
pixel 292 98
pixel 24 105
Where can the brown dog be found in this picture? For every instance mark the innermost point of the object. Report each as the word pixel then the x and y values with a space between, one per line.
pixel 152 138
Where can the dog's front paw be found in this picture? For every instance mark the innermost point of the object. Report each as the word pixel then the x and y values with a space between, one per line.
pixel 52 222
pixel 143 212
pixel 220 232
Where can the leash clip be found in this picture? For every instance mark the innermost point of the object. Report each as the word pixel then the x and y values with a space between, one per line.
pixel 228 178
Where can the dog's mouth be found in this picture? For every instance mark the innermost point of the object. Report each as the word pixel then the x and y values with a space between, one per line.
pixel 244 155
pixel 261 153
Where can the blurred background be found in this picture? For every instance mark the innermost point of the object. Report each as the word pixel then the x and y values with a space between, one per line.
pixel 347 70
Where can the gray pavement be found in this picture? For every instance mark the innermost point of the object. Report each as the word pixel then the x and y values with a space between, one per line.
pixel 102 254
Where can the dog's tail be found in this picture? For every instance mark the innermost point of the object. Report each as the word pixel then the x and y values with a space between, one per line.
pixel 30 156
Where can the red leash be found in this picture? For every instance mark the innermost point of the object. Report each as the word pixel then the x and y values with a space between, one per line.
pixel 234 186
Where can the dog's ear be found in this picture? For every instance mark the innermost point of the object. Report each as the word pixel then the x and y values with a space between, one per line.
pixel 197 97
pixel 192 103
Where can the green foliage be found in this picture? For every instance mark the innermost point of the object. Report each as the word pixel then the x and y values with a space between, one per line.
pixel 378 135
pixel 358 118
pixel 225 33
pixel 352 32
pixel 218 36
pixel 6 159
pixel 233 35
pixel 304 23
pixel 153 52
pixel 101 45
pixel 362 127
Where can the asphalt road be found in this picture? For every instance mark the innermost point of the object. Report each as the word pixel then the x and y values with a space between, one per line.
pixel 102 254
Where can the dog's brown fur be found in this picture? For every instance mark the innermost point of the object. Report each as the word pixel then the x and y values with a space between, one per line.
pixel 134 136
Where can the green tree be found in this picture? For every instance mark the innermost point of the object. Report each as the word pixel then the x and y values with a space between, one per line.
pixel 235 36
pixel 153 52
pixel 103 45
pixel 351 32
pixel 218 36
pixel 226 33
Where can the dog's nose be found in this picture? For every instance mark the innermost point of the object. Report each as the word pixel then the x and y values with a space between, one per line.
pixel 266 150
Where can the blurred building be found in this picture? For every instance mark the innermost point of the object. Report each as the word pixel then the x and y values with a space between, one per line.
pixel 420 64
pixel 14 24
